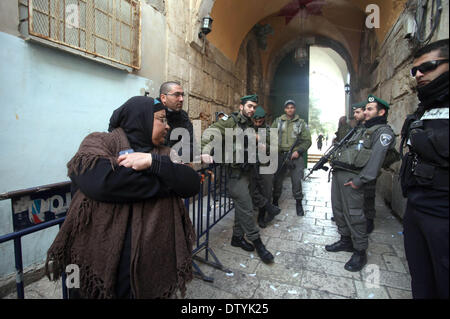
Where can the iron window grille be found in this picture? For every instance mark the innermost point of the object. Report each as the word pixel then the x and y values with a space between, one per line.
pixel 109 29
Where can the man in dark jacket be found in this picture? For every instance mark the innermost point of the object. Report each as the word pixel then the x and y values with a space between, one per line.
pixel 171 95
pixel 424 175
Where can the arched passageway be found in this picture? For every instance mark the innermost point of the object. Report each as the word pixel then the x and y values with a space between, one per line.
pixel 283 26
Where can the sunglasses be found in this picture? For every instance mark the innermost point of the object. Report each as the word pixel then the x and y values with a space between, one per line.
pixel 427 66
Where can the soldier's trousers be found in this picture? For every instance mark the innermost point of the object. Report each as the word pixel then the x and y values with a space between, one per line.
pixel 296 178
pixel 261 188
pixel 347 204
pixel 369 199
pixel 426 249
pixel 238 188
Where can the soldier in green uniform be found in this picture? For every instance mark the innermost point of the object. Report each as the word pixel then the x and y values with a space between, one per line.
pixel 261 184
pixel 355 165
pixel 239 176
pixel 290 128
pixel 343 128
pixel 370 187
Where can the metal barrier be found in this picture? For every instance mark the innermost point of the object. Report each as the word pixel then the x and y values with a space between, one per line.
pixel 38 208
pixel 208 213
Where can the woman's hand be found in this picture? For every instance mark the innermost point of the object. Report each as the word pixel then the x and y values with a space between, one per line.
pixel 137 161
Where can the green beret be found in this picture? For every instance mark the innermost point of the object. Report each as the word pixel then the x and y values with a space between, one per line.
pixel 359 105
pixel 372 98
pixel 252 98
pixel 259 113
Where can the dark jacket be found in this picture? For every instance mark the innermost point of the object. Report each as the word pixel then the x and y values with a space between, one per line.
pixel 179 120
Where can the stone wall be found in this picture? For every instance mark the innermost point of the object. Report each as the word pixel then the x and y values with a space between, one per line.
pixel 212 82
pixel 384 70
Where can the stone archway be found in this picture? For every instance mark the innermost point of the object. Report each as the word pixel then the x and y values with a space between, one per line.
pixel 316 40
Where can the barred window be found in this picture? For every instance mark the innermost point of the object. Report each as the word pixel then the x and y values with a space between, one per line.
pixel 109 29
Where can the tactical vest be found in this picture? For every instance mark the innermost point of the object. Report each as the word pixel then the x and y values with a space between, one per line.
pixel 283 128
pixel 239 147
pixel 358 150
pixel 427 162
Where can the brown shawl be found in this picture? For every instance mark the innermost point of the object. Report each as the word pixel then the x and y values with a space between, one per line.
pixel 93 233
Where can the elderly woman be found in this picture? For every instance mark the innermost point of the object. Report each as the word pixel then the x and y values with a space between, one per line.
pixel 127 228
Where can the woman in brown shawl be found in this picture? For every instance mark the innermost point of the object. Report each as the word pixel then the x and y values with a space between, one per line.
pixel 127 228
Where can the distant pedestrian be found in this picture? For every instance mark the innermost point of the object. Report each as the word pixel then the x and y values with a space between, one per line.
pixel 319 141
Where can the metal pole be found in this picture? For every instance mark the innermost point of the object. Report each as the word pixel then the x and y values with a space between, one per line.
pixel 208 210
pixel 19 267
pixel 63 279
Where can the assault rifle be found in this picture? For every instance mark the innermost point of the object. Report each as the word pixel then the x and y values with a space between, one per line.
pixel 326 156
pixel 287 156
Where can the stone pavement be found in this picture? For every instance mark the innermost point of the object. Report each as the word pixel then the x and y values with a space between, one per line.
pixel 303 269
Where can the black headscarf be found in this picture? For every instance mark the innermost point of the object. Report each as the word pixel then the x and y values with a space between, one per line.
pixel 135 117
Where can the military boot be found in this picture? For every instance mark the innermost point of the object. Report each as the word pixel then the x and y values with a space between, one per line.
pixel 275 201
pixel 263 253
pixel 370 225
pixel 357 261
pixel 261 217
pixel 299 208
pixel 272 211
pixel 241 242
pixel 344 244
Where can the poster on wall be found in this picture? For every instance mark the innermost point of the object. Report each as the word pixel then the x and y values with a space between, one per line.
pixel 40 204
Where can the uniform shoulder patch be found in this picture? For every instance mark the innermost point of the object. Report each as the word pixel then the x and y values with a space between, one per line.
pixel 385 139
pixel 436 114
pixel 224 118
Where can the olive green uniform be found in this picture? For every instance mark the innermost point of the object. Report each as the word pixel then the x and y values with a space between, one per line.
pixel 358 161
pixel 261 184
pixel 370 187
pixel 239 177
pixel 288 130
pixel 342 131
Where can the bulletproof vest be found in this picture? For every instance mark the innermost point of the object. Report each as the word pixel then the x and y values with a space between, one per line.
pixel 358 150
pixel 237 145
pixel 281 125
pixel 427 137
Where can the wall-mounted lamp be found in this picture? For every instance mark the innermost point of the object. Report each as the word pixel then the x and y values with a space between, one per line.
pixel 206 26
pixel 347 88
